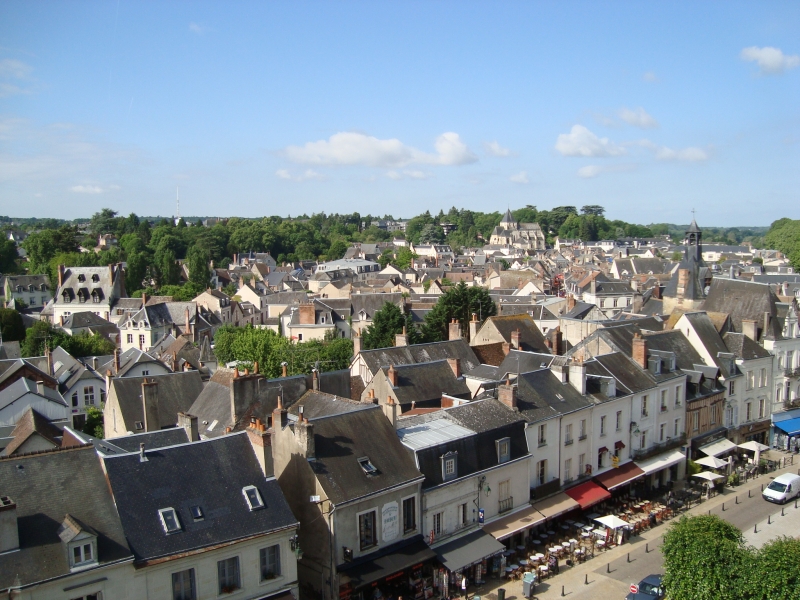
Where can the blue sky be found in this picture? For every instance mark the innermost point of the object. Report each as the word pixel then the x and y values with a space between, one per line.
pixel 260 108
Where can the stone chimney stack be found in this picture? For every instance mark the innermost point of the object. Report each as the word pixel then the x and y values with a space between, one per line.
pixel 657 291
pixel 593 286
pixel 454 330
pixel 391 375
pixel 356 343
pixel 506 348
pixel 304 434
pixel 261 441
pixel 473 327
pixel 9 532
pixel 279 416
pixel 188 324
pixel 515 335
pixel 683 283
pixel 507 394
pixel 562 372
pixel 750 328
pixel 390 409
pixel 144 299
pixel 570 302
pixel 189 424
pixel 577 376
pixel 767 319
pixel 401 339
pixel 60 276
pixel 639 350
pixel 150 405
pixel 315 380
pixel 455 364
pixel 49 357
pixel 116 361
pixel 307 315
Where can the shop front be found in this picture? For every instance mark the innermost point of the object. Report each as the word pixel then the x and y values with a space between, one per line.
pixel 556 505
pixel 663 468
pixel 713 443
pixel 786 431
pixel 403 569
pixel 472 556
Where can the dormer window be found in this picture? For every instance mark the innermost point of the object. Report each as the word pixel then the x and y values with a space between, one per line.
pixel 81 542
pixel 503 450
pixel 197 513
pixel 95 277
pixel 81 277
pixel 169 520
pixel 450 466
pixel 82 554
pixel 367 466
pixel 253 497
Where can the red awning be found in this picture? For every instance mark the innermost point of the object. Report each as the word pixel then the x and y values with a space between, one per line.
pixel 603 449
pixel 613 478
pixel 587 494
pixel 619 445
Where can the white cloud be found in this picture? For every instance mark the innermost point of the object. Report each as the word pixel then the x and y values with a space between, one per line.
pixel 495 149
pixel 521 177
pixel 582 142
pixel 9 89
pixel 283 174
pixel 590 171
pixel 637 117
pixel 307 175
pixel 686 154
pixel 394 175
pixel 198 28
pixel 771 61
pixel 10 67
pixel 408 174
pixel 351 148
pixel 93 189
pixel 650 77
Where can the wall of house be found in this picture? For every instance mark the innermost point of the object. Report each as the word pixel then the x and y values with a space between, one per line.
pixel 10 414
pixel 549 451
pixel 573 451
pixel 113 581
pixel 113 423
pixel 305 333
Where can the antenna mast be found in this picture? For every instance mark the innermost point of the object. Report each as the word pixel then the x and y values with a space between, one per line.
pixel 177 203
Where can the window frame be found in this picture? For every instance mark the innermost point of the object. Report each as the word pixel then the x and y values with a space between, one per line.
pixel 256 503
pixel 503 450
pixel 228 587
pixel 264 562
pixel 412 502
pixel 181 594
pixel 167 528
pixel 364 544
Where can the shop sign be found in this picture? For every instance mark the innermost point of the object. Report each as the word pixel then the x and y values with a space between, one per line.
pixel 391 522
pixel 480 516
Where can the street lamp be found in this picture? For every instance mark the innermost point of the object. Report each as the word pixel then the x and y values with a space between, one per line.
pixel 295 543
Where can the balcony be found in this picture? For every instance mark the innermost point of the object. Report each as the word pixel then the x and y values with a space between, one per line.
pixel 568 442
pixel 791 372
pixel 581 437
pixel 506 505
pixel 655 449
pixel 664 409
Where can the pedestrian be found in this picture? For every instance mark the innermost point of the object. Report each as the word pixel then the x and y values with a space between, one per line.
pixel 464 586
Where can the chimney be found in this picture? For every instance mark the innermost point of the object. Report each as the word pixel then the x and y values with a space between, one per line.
pixel 40 387
pixel 577 376
pixel 473 327
pixel 506 348
pixel 515 339
pixel 279 416
pixel 188 325
pixel 570 302
pixel 507 394
pixel 657 291
pixel 356 343
pixel 49 356
pixel 261 441
pixel 150 405
pixel 447 401
pixel 189 423
pixel 60 276
pixel 116 361
pixel 315 380
pixel 94 363
pixel 284 369
pixel 9 532
pixel 637 303
pixel 683 283
pixel 144 299
pixel 454 330
pixel 455 365
pixel 304 434
pixel 767 318
pixel 593 286
pixel 307 316
pixel 391 375
pixel 390 409
pixel 370 399
pixel 562 372
pixel 255 367
pixel 401 339
pixel 639 350
pixel 750 328
pixel 61 320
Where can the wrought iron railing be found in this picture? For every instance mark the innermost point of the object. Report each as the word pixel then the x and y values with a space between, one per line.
pixel 659 448
pixel 506 505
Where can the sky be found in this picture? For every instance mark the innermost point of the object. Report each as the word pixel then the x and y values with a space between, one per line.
pixel 650 109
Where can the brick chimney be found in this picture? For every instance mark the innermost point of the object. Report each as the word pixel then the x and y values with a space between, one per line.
pixel 188 324
pixel 507 394
pixel 455 364
pixel 639 350
pixel 9 532
pixel 391 375
pixel 49 357
pixel 656 292
pixel 304 434
pixel 144 299
pixel 60 276
pixel 515 335
pixel 401 339
pixel 750 328
pixel 506 348
pixel 473 327
pixel 454 330
pixel 570 302
pixel 356 343
pixel 370 399
pixel 315 380
pixel 261 441
pixel 189 424
pixel 279 416
pixel 593 286
pixel 307 316
pixel 150 405
pixel 284 369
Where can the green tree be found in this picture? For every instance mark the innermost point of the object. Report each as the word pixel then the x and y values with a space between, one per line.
pixel 776 576
pixel 94 422
pixel 8 256
pixel 166 266
pixel 593 209
pixel 459 302
pixel 404 257
pixel 136 271
pixel 386 323
pixel 431 234
pixel 198 262
pixel 337 249
pixel 677 256
pixel 11 325
pixel 104 221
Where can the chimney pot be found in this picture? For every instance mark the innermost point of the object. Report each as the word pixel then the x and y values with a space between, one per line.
pixel 392 376
pixel 40 387
pixel 142 455
pixel 507 394
pixel 455 365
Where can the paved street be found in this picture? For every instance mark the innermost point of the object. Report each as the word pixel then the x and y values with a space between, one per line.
pixel 610 573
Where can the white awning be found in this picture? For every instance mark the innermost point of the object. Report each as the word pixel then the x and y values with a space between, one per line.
pixel 661 461
pixel 612 521
pixel 718 447
pixel 708 476
pixel 712 462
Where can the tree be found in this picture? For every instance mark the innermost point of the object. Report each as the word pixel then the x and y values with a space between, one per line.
pixel 337 249
pixel 386 323
pixel 776 576
pixel 677 256
pixel 8 256
pixel 94 422
pixel 458 303
pixel 198 260
pixel 404 257
pixel 167 270
pixel 11 325
pixel 431 234
pixel 705 559
pixel 593 209
pixel 104 221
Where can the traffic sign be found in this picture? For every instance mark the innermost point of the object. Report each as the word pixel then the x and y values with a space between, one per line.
pixel 634 588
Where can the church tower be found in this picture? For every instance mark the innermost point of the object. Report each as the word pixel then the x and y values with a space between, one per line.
pixel 686 289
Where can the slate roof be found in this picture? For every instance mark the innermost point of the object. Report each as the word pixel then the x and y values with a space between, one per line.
pixel 87 319
pixel 710 338
pixel 525 362
pixel 530 338
pixel 743 347
pixel 418 353
pixel 744 300
pixel 424 382
pixel 176 393
pixel 580 311
pixel 46 487
pixel 151 439
pixel 319 404
pixel 24 386
pixel 209 474
pixel 541 395
pixel 339 442
pixel 32 422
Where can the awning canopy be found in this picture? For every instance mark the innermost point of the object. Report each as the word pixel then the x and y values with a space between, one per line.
pixel 619 445
pixel 556 505
pixel 662 461
pixel 789 426
pixel 717 447
pixel 502 528
pixel 468 550
pixel 612 521
pixel 754 446
pixel 712 462
pixel 708 476
pixel 614 478
pixel 390 560
pixel 587 494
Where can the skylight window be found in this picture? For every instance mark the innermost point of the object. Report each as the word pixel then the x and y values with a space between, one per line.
pixel 169 520
pixel 197 513
pixel 367 466
pixel 253 497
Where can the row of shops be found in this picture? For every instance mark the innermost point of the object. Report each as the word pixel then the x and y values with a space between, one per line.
pixel 414 570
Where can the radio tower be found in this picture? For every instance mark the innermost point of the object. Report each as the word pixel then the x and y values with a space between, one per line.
pixel 177 204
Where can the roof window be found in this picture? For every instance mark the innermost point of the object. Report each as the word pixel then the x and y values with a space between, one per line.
pixel 367 466
pixel 169 520
pixel 95 277
pixel 253 497
pixel 197 513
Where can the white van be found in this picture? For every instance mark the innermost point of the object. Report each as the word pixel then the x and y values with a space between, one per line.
pixel 783 488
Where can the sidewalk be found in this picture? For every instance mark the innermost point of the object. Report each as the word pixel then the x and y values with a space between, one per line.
pixel 641 548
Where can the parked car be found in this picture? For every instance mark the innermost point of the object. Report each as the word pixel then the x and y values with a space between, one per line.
pixel 650 588
pixel 783 488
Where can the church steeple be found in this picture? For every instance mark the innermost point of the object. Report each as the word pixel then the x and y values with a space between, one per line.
pixel 694 242
pixel 508 221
